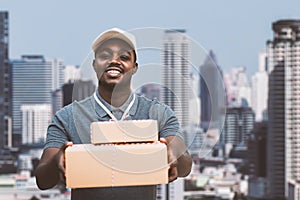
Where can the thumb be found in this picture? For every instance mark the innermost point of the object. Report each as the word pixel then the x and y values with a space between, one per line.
pixel 64 146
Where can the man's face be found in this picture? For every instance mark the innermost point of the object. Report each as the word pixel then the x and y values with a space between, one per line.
pixel 114 63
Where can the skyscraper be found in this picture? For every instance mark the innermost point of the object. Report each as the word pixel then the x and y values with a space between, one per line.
pixel 257 150
pixel 78 90
pixel 175 91
pixel 237 86
pixel 283 54
pixel 260 89
pixel 35 120
pixel 34 80
pixel 238 125
pixel 211 92
pixel 175 73
pixel 5 80
pixel 72 73
pixel 257 161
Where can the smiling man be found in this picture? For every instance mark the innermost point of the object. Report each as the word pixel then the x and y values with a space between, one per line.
pixel 115 63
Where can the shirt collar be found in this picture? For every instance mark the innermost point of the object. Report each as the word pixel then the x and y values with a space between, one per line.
pixel 123 107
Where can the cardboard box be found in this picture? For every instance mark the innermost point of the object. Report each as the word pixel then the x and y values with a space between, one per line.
pixel 124 131
pixel 110 165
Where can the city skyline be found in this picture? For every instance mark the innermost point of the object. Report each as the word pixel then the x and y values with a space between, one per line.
pixel 236 31
pixel 282 166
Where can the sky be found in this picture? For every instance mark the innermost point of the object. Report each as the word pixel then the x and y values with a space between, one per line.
pixel 235 30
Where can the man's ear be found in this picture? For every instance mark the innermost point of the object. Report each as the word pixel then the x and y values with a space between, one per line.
pixel 94 65
pixel 135 68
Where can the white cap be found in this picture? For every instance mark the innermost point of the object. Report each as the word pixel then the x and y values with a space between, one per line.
pixel 114 33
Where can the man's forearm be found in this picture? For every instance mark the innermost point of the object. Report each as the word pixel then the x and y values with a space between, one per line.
pixel 184 165
pixel 179 150
pixel 47 175
pixel 47 172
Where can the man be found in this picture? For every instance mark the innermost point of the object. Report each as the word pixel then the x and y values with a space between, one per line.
pixel 114 63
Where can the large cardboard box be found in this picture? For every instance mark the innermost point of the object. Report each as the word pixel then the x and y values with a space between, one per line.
pixel 124 131
pixel 110 165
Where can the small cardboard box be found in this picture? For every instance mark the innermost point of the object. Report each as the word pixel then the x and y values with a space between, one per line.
pixel 124 131
pixel 109 165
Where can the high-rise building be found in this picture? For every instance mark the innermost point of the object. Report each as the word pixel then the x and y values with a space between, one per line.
pixel 293 190
pixel 237 87
pixel 175 91
pixel 57 100
pixel 283 54
pixel 34 80
pixel 171 191
pixel 175 73
pixel 257 161
pixel 78 90
pixel 260 89
pixel 238 125
pixel 257 150
pixel 211 92
pixel 35 120
pixel 5 81
pixel 72 73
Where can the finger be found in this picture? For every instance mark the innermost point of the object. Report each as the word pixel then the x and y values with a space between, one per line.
pixel 173 174
pixel 61 172
pixel 63 148
pixel 62 178
pixel 67 144
pixel 171 158
pixel 61 164
pixel 163 140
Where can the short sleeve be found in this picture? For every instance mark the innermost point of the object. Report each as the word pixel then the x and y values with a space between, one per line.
pixel 167 121
pixel 57 130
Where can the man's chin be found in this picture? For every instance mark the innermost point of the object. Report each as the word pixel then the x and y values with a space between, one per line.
pixel 116 84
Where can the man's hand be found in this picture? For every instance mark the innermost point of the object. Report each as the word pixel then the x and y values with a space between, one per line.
pixel 60 160
pixel 179 160
pixel 51 168
pixel 173 172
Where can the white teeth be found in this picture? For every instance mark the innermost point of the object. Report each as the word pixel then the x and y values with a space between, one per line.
pixel 113 72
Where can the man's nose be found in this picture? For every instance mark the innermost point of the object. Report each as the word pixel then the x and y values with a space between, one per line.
pixel 115 59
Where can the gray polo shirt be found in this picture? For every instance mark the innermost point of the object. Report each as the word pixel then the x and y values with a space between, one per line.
pixel 72 123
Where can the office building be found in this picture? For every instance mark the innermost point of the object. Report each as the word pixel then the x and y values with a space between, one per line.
pixel 171 191
pixel 260 82
pixel 257 150
pixel 238 125
pixel 257 161
pixel 56 100
pixel 71 73
pixel 212 94
pixel 35 120
pixel 175 91
pixel 293 190
pixel 283 54
pixel 237 87
pixel 175 73
pixel 78 90
pixel 34 80
pixel 5 82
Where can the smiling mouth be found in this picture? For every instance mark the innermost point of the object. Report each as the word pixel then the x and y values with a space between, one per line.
pixel 114 71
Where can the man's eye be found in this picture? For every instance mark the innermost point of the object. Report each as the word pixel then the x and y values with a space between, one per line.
pixel 104 56
pixel 124 57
